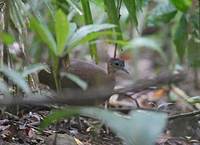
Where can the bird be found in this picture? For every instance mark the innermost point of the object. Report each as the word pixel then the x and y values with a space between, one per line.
pixel 92 74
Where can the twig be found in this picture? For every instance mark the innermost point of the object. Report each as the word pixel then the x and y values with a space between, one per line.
pixel 183 115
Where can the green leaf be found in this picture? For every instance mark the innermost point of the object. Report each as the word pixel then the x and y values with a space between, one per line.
pixel 181 37
pixel 131 7
pixel 134 128
pixel 142 42
pixel 45 35
pixel 88 20
pixel 87 12
pixel 62 30
pixel 193 52
pixel 33 68
pixel 141 3
pixel 16 78
pixel 6 38
pixel 57 115
pixel 75 6
pixel 81 83
pixel 18 14
pixel 194 100
pixel 162 13
pixel 72 28
pixel 98 3
pixel 113 16
pixel 84 31
pixel 4 88
pixel 182 5
pixel 89 37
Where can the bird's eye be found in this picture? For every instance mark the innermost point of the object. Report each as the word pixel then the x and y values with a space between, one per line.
pixel 117 63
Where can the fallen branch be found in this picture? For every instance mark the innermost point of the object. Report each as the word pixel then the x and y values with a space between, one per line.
pixel 184 115
pixel 91 96
pixel 162 79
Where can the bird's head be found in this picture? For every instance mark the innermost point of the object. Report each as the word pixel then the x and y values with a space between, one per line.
pixel 116 64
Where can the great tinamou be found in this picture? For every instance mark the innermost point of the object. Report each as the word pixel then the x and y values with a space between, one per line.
pixel 94 75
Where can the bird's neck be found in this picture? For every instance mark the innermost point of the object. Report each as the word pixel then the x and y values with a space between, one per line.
pixel 111 72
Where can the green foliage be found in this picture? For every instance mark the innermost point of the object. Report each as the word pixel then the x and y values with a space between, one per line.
pixel 134 128
pixel 131 7
pixel 88 20
pixel 62 31
pixel 194 100
pixel 113 15
pixel 44 34
pixel 193 52
pixel 6 38
pixel 76 38
pixel 60 114
pixel 182 5
pixel 33 68
pixel 181 36
pixel 87 12
pixel 162 13
pixel 82 84
pixel 66 40
pixel 4 88
pixel 194 40
pixel 18 14
pixel 74 4
pixel 17 78
pixel 144 42
pixel 87 33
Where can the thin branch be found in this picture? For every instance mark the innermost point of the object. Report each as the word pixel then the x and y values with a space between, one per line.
pixel 184 115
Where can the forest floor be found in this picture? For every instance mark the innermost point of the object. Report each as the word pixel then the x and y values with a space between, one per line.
pixel 20 126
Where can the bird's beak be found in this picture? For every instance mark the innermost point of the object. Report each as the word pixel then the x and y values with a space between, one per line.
pixel 125 70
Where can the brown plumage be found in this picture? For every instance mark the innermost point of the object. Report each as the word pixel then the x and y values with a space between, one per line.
pixel 91 73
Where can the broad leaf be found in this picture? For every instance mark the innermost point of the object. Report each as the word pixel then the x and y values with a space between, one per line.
pixel 33 68
pixel 84 31
pixel 4 88
pixel 18 14
pixel 91 36
pixel 194 100
pixel 194 41
pixel 131 7
pixel 182 5
pixel 59 114
pixel 87 12
pixel 75 6
pixel 6 38
pixel 148 43
pixel 88 20
pixel 16 78
pixel 162 13
pixel 81 83
pixel 45 35
pixel 113 15
pixel 193 52
pixel 62 30
pixel 134 128
pixel 181 37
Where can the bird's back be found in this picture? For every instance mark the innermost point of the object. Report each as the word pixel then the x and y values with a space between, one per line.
pixel 91 73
